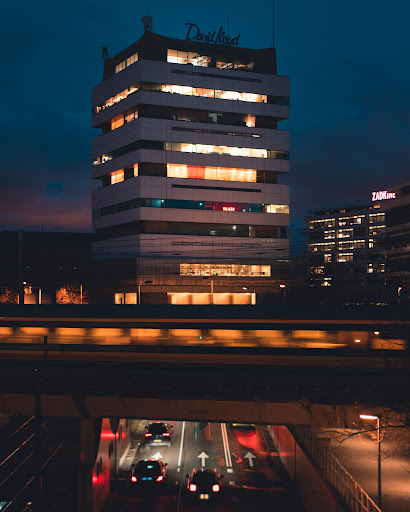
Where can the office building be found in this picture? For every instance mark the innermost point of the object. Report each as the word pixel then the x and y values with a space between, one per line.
pixel 187 166
pixel 346 244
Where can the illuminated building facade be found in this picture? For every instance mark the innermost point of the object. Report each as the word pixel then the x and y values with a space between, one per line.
pixel 187 162
pixel 346 243
pixel 397 211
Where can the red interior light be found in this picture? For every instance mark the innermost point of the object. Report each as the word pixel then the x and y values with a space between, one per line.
pixel 192 487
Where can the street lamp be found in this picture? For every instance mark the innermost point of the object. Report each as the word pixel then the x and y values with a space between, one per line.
pixel 283 286
pixel 212 289
pixel 379 466
pixel 138 301
pixel 399 289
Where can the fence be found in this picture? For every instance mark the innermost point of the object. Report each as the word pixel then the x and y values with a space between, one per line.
pixel 341 480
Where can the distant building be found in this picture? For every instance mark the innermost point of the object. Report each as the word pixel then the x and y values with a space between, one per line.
pixel 346 244
pixel 397 232
pixel 362 244
pixel 189 208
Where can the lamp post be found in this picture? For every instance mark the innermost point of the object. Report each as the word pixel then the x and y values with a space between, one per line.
pixel 379 466
pixel 283 286
pixel 399 289
pixel 138 301
pixel 212 289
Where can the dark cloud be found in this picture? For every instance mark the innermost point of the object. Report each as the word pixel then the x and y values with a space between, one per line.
pixel 349 75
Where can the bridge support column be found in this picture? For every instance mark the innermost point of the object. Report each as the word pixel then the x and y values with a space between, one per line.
pixel 87 459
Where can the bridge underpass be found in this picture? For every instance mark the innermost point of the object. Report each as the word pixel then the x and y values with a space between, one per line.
pixel 201 382
pixel 282 386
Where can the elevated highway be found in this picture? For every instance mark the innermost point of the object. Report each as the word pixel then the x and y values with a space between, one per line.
pixel 221 364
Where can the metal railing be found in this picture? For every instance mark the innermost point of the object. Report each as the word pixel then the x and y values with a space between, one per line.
pixel 334 473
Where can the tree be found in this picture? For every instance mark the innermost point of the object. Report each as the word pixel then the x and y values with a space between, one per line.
pixel 70 294
pixel 8 297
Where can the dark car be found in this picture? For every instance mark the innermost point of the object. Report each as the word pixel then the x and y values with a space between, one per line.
pixel 149 472
pixel 204 484
pixel 159 433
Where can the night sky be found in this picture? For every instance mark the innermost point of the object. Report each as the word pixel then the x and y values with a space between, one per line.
pixel 348 61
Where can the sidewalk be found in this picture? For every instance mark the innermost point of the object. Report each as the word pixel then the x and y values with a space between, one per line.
pixel 359 455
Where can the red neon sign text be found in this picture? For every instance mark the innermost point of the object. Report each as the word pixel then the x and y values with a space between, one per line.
pixel 229 208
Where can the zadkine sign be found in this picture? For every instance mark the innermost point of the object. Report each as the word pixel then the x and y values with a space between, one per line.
pixel 383 194
pixel 194 34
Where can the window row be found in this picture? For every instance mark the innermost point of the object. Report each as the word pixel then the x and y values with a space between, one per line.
pixel 215 132
pixel 192 91
pixel 190 205
pixel 183 57
pixel 220 270
pixel 192 229
pixel 212 149
pixel 184 147
pixel 342 246
pixel 192 172
pixel 214 93
pixel 347 221
pixel 346 233
pixel 125 63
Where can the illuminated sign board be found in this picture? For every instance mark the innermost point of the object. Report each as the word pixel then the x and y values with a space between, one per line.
pixel 228 208
pixel 383 194
pixel 194 34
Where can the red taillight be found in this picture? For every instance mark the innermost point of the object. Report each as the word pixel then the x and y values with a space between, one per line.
pixel 133 479
pixel 160 478
pixel 148 435
pixel 215 488
pixel 192 487
pixel 166 434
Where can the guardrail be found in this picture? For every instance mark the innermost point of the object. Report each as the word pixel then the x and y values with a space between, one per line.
pixel 341 480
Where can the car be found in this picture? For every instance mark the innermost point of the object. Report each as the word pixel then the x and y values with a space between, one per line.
pixel 149 473
pixel 159 434
pixel 204 484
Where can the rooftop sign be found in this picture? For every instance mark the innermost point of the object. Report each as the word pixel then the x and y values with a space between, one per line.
pixel 194 34
pixel 383 194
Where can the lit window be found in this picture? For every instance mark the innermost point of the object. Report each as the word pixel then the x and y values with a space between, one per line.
pixel 344 257
pixel 211 173
pixel 207 149
pixel 206 269
pixel 214 93
pixel 117 176
pixel 180 57
pixel 125 63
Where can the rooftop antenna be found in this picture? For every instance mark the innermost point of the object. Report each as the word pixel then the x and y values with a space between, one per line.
pixel 273 23
pixel 147 21
pixel 105 52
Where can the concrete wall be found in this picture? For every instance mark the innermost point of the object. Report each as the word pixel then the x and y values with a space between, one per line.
pixel 114 441
pixel 313 491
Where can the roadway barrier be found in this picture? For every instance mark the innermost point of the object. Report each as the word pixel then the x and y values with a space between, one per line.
pixel 313 491
pixel 334 473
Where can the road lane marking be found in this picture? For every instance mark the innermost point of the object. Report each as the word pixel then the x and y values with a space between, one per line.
pixel 203 456
pixel 180 448
pixel 227 452
pixel 250 456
